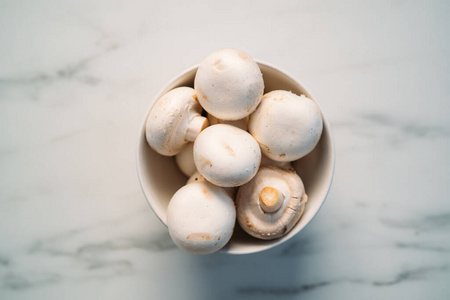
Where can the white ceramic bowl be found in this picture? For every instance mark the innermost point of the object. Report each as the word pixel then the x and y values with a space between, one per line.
pixel 160 178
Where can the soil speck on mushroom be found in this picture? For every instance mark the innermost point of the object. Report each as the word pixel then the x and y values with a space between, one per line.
pixel 248 223
pixel 199 236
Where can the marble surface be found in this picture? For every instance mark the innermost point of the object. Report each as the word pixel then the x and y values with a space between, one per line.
pixel 76 78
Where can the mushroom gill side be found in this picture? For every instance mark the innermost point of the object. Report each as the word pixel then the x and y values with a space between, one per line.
pixel 270 205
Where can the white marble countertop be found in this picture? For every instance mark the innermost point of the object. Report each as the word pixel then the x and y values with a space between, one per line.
pixel 76 78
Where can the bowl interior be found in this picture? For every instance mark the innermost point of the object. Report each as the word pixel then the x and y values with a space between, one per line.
pixel 160 178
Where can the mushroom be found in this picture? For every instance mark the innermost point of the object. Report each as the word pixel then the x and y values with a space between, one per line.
pixel 241 123
pixel 229 84
pixel 197 177
pixel 271 204
pixel 174 121
pixel 185 160
pixel 226 155
pixel 265 161
pixel 201 218
pixel 286 126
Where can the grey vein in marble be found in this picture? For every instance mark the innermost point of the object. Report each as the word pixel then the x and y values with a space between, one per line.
pixel 50 246
pixel 18 282
pixel 412 129
pixel 430 222
pixel 422 247
pixel 246 291
pixel 70 72
pixel 414 274
pixel 93 249
pixel 408 275
pixel 368 122
pixel 4 261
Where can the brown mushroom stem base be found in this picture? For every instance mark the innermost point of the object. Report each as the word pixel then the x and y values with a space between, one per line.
pixel 270 199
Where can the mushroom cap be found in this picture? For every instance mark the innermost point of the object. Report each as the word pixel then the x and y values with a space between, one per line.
pixel 241 123
pixel 197 177
pixel 201 218
pixel 226 155
pixel 270 225
pixel 229 84
pixel 286 126
pixel 185 160
pixel 174 120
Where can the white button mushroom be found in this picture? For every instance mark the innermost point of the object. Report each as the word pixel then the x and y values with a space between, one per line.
pixel 174 121
pixel 241 123
pixel 286 126
pixel 201 218
pixel 197 177
pixel 185 160
pixel 271 203
pixel 229 84
pixel 226 155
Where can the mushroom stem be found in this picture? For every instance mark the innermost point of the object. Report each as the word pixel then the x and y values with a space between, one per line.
pixel 270 199
pixel 195 126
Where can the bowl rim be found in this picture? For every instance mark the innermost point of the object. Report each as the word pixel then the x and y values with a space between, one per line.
pixel 277 69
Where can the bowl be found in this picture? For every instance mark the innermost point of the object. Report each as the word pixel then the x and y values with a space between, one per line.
pixel 160 177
